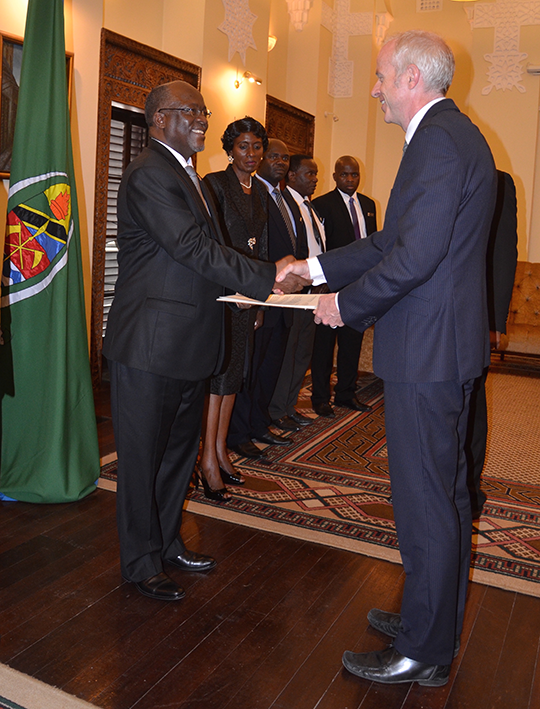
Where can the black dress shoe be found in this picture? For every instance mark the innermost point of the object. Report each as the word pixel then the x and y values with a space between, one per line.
pixel 273 439
pixel 353 404
pixel 391 667
pixel 249 450
pixel 191 561
pixel 286 424
pixel 300 419
pixel 231 478
pixel 390 624
pixel 387 623
pixel 324 410
pixel 160 587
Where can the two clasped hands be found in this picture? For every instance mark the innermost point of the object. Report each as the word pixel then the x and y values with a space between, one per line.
pixel 292 276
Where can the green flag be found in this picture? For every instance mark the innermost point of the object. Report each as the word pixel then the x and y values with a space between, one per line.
pixel 49 450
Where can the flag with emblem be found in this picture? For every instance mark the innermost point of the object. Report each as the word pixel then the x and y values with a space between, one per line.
pixel 49 450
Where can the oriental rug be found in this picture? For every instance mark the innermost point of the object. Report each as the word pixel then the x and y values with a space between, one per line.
pixel 19 691
pixel 332 486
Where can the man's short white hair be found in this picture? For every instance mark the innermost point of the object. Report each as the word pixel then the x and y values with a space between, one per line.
pixel 430 53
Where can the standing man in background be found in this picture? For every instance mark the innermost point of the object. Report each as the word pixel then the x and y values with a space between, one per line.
pixel 348 215
pixel 301 183
pixel 422 280
pixel 501 270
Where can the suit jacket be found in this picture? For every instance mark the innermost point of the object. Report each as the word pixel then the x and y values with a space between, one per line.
pixel 280 245
pixel 338 225
pixel 173 264
pixel 422 277
pixel 279 241
pixel 502 253
pixel 241 217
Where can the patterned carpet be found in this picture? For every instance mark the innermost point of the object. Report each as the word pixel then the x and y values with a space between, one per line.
pixel 332 486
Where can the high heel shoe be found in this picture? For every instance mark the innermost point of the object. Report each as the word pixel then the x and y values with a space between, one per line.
pixel 216 495
pixel 231 479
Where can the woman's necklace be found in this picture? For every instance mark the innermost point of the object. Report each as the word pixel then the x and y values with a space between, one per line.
pixel 248 187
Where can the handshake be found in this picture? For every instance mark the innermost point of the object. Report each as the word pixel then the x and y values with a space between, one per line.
pixel 291 276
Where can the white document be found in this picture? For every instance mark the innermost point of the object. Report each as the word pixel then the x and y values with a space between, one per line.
pixel 306 301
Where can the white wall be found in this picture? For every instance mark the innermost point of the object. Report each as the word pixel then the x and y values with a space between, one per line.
pixel 297 72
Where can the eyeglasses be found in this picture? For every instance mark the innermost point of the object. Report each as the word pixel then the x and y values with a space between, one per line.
pixel 193 112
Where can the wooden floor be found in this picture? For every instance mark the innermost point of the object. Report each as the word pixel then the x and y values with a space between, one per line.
pixel 266 628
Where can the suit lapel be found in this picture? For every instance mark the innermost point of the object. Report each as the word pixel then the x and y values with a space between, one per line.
pixel 209 214
pixel 301 237
pixel 369 217
pixel 343 209
pixel 341 206
pixel 445 105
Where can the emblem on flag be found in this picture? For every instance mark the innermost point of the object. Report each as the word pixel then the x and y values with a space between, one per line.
pixel 37 236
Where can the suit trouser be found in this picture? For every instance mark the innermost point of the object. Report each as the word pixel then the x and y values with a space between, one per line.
pixel 250 417
pixel 294 366
pixel 157 424
pixel 475 448
pixel 349 345
pixel 426 426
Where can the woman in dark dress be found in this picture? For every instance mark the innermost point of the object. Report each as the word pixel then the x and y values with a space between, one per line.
pixel 241 201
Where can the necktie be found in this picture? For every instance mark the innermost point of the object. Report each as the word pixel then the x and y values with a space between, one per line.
pixel 285 214
pixel 316 230
pixel 354 217
pixel 195 179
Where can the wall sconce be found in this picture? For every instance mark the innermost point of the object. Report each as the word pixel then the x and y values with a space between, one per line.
pixel 271 42
pixel 247 76
pixel 335 118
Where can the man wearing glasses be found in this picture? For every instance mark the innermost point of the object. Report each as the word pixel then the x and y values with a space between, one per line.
pixel 164 334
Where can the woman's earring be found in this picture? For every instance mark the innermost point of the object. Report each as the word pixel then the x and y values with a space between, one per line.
pixel 230 159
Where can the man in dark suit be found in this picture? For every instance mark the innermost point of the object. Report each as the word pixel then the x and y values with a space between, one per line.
pixel 301 183
pixel 286 237
pixel 164 334
pixel 501 269
pixel 348 215
pixel 421 279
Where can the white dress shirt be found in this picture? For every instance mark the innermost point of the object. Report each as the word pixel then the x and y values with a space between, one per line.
pixel 357 209
pixel 313 245
pixel 181 159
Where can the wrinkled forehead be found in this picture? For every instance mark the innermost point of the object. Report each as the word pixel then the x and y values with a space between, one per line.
pixel 186 94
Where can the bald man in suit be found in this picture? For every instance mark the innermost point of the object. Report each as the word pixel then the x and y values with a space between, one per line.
pixel 348 215
pixel 164 335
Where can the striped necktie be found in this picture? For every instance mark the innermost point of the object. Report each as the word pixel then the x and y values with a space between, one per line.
pixel 285 214
pixel 195 179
